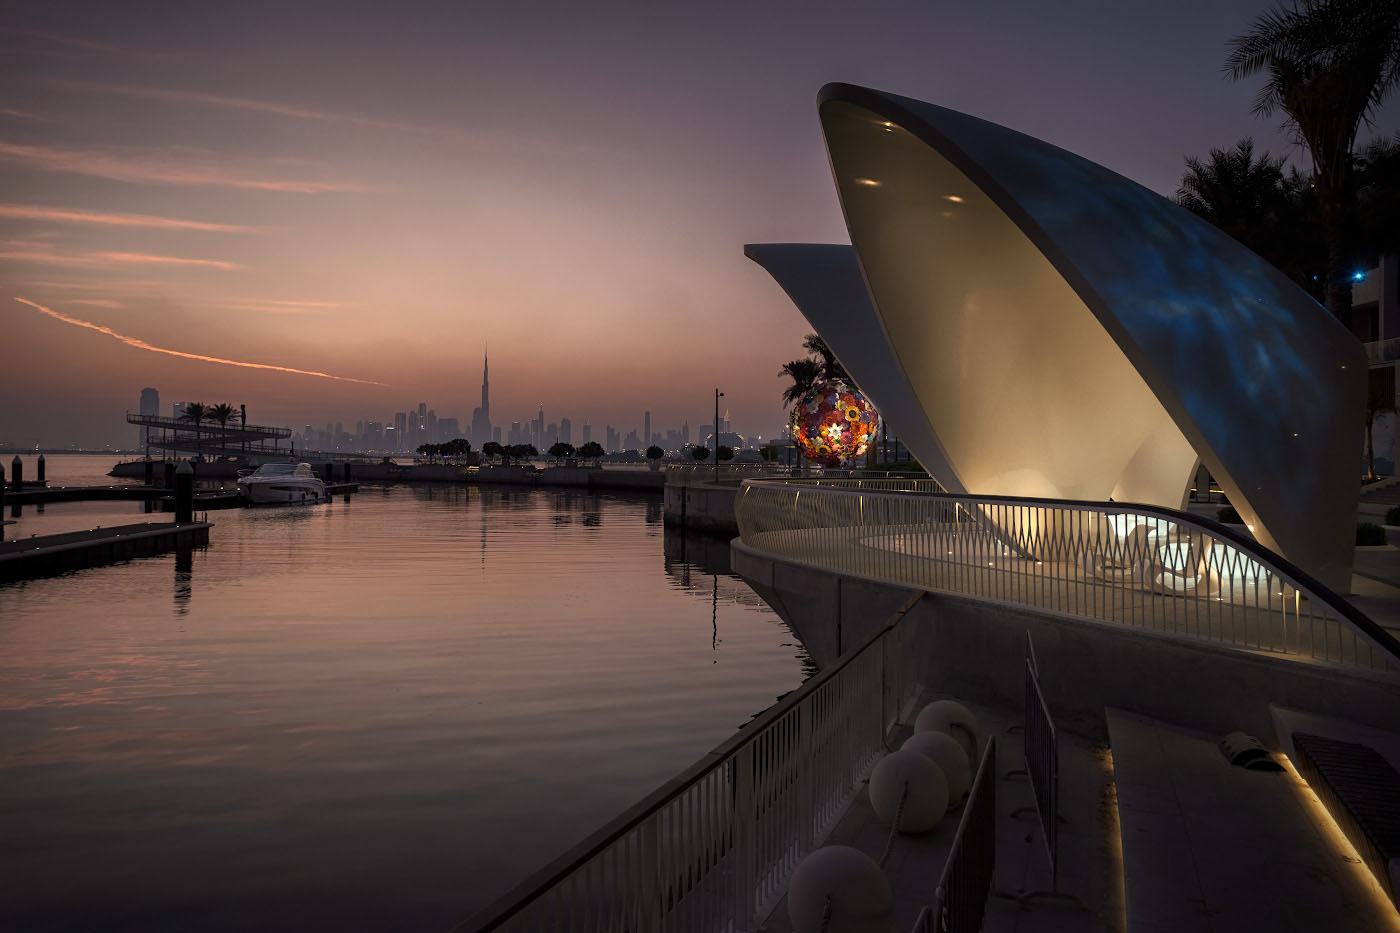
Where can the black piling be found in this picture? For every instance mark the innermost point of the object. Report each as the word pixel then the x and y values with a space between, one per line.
pixel 16 474
pixel 40 476
pixel 2 502
pixel 150 471
pixel 347 471
pixel 168 475
pixel 184 493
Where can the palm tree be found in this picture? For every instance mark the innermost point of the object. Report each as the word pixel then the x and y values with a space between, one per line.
pixel 1233 190
pixel 1252 200
pixel 804 374
pixel 222 413
pixel 831 367
pixel 196 412
pixel 1329 65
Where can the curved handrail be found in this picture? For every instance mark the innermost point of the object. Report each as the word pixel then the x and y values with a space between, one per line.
pixel 1302 582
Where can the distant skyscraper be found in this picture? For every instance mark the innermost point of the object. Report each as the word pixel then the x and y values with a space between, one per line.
pixel 400 429
pixel 150 405
pixel 587 432
pixel 646 428
pixel 614 440
pixel 178 409
pixel 566 431
pixel 481 417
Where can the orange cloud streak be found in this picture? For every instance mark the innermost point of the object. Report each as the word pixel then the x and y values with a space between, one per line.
pixel 152 168
pixel 27 253
pixel 143 345
pixel 77 215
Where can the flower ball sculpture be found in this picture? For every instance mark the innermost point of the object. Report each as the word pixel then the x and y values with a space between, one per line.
pixel 833 422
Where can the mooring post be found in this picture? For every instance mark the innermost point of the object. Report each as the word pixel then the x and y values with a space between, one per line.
pixel 150 471
pixel 40 476
pixel 184 493
pixel 347 471
pixel 2 502
pixel 16 474
pixel 167 477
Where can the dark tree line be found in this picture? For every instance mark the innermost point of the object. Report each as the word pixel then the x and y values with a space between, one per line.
pixel 1327 66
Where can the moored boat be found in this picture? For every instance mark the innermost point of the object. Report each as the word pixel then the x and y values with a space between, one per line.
pixel 282 484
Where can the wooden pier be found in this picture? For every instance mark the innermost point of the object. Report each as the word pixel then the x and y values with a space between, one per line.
pixel 47 555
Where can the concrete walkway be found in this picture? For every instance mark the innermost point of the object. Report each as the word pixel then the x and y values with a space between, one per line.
pixel 1212 847
pixel 1089 860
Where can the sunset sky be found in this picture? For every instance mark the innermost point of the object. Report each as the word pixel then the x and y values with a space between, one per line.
pixel 377 191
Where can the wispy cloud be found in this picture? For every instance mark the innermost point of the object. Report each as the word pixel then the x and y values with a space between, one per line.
pixel 79 216
pixel 264 106
pixel 477 137
pixel 72 42
pixel 143 345
pixel 159 167
pixel 64 42
pixel 281 305
pixel 101 286
pixel 157 260
pixel 22 115
pixel 21 251
pixel 95 302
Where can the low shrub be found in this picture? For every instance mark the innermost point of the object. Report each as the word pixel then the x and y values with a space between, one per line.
pixel 1228 516
pixel 1393 516
pixel 1369 535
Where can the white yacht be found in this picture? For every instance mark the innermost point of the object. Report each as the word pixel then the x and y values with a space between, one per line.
pixel 282 484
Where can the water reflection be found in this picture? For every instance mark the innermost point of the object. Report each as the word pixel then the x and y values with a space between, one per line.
pixel 184 579
pixel 360 710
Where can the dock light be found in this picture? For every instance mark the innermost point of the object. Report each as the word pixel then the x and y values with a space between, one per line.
pixel 1358 276
pixel 868 181
pixel 952 197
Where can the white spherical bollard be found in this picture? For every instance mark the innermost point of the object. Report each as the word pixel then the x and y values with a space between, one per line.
pixel 926 796
pixel 953 718
pixel 949 754
pixel 859 893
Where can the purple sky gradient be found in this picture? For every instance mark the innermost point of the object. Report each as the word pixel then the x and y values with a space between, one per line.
pixel 377 191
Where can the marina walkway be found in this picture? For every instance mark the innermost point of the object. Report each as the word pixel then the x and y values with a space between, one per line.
pixel 1089 860
pixel 1208 846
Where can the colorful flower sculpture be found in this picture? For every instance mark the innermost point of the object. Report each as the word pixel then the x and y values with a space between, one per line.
pixel 833 422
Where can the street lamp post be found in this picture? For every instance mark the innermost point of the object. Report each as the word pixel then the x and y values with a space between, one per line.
pixel 718 395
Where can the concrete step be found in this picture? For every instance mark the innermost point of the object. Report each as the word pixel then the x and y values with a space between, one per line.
pixel 1208 846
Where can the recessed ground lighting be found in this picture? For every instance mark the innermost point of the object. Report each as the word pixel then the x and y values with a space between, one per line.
pixel 952 197
pixel 868 181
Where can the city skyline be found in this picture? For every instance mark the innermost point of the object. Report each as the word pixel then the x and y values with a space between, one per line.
pixel 255 204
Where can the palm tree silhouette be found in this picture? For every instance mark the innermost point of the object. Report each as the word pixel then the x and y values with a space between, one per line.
pixel 196 412
pixel 1329 64
pixel 222 413
pixel 804 374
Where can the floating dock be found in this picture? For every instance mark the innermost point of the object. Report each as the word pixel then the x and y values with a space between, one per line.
pixel 47 555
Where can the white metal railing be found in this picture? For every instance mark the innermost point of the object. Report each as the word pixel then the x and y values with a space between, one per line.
pixel 1139 566
pixel 713 849
pixel 686 474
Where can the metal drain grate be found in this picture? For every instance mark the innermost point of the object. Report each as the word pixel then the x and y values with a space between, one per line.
pixel 1362 792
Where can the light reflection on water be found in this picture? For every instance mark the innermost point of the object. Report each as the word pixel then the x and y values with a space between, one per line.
pixel 377 714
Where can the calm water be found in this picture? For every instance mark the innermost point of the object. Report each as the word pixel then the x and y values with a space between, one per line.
pixel 376 714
